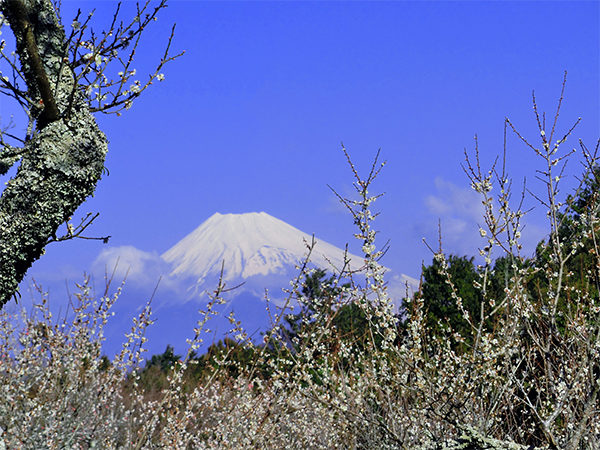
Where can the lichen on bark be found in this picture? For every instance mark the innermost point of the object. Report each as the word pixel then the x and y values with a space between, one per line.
pixel 471 439
pixel 64 159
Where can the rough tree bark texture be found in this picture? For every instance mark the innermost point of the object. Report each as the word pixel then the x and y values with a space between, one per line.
pixel 62 163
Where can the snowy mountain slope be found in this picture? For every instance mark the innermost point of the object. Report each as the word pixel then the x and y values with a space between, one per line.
pixel 251 244
pixel 257 250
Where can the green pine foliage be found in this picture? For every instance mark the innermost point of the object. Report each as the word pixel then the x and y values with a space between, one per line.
pixel 442 310
pixel 579 246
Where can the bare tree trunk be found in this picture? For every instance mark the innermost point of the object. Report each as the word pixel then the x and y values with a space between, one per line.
pixel 63 159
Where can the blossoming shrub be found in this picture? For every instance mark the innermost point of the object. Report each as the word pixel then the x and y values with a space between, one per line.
pixel 519 369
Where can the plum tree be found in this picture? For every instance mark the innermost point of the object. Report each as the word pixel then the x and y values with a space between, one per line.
pixel 59 80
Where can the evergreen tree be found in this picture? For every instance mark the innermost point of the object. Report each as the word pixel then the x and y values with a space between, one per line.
pixel 319 294
pixel 228 354
pixel 442 308
pixel 165 360
pixel 324 305
pixel 579 246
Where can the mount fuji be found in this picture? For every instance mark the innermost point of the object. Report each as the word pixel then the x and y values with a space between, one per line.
pixel 254 250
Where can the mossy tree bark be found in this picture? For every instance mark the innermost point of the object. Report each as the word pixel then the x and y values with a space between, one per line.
pixel 63 159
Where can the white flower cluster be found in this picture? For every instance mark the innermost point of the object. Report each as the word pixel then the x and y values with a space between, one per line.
pixel 344 371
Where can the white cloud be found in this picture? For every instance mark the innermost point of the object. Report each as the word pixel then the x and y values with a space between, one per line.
pixel 455 201
pixel 140 267
pixel 399 286
pixel 460 210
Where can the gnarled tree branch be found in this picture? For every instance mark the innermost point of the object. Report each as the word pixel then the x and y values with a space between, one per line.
pixel 18 16
pixel 63 161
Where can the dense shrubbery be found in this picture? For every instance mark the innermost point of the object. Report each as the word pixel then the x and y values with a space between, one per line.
pixel 502 354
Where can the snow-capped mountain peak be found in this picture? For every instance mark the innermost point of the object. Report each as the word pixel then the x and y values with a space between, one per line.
pixel 248 245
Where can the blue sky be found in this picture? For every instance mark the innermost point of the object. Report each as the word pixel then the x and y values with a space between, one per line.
pixel 252 116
